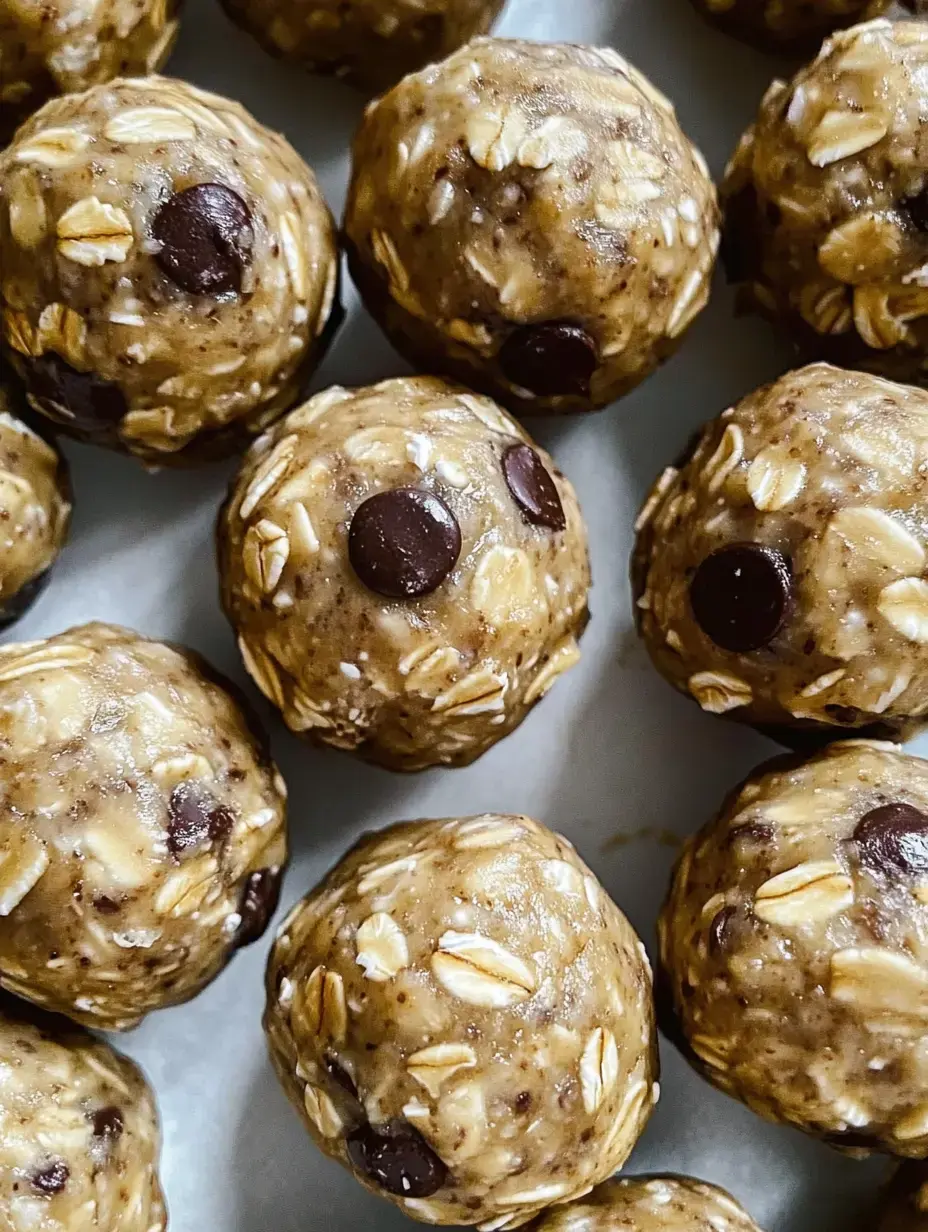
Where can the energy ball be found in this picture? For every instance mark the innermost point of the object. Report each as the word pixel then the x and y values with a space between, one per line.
pixel 167 269
pixel 35 509
pixel 651 1204
pixel 371 43
pixel 62 46
pixel 79 1136
pixel 407 572
pixel 142 829
pixel 793 946
pixel 826 202
pixel 794 27
pixel 464 1020
pixel 780 571
pixel 529 219
pixel 906 1208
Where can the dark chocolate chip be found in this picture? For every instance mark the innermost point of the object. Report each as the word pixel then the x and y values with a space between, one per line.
pixel 549 359
pixel 259 902
pixel 740 595
pixel 108 1123
pixel 340 1075
pixel 893 839
pixel 396 1157
pixel 105 905
pixel 720 931
pixel 206 237
pixel 532 488
pixel 194 817
pixel 51 1179
pixel 917 209
pixel 403 543
pixel 80 400
pixel 16 605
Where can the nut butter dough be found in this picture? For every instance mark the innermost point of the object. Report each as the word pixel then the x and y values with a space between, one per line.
pixel 906 1208
pixel 464 1019
pixel 59 46
pixel 35 509
pixel 79 1137
pixel 651 1204
pixel 793 946
pixel 167 268
pixel 827 202
pixel 141 833
pixel 530 219
pixel 780 572
pixel 406 571
pixel 789 26
pixel 371 43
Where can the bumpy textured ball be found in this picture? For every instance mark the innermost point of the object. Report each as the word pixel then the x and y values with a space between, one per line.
pixel 651 1204
pixel 142 829
pixel 530 219
pixel 793 952
pixel 464 1019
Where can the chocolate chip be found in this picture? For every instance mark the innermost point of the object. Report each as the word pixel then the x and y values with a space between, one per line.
pixel 720 931
pixel 105 905
pixel 549 359
pixel 740 595
pixel 532 488
pixel 396 1157
pixel 81 400
pixel 893 839
pixel 51 1179
pixel 194 817
pixel 206 237
pixel 259 902
pixel 917 209
pixel 108 1123
pixel 403 543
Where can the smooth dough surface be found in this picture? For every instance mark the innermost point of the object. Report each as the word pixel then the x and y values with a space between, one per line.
pixel 454 627
pixel 530 219
pixel 371 43
pixel 793 946
pixel 168 268
pixel 142 829
pixel 651 1204
pixel 79 1135
pixel 792 26
pixel 779 572
pixel 464 1019
pixel 826 202
pixel 906 1208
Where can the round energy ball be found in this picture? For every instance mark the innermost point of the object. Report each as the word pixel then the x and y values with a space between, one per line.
pixel 651 1204
pixel 371 43
pixel 530 219
pixel 464 1019
pixel 167 269
pixel 795 27
pixel 68 45
pixel 79 1135
pixel 407 572
pixel 779 572
pixel 792 946
pixel 906 1208
pixel 826 202
pixel 142 830
pixel 35 508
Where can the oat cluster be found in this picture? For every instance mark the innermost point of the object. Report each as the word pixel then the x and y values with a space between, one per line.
pixel 651 1204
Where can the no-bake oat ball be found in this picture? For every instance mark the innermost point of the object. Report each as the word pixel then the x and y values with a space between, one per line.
pixel 370 43
pixel 793 946
pixel 826 202
pixel 168 268
pixel 58 46
pixel 35 508
pixel 407 572
pixel 530 219
pixel 795 27
pixel 906 1207
pixel 464 1019
pixel 651 1204
pixel 781 573
pixel 79 1136
pixel 141 830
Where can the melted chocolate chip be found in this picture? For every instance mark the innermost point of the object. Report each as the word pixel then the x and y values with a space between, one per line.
pixel 403 543
pixel 740 595
pixel 720 931
pixel 259 902
pixel 206 237
pixel 893 839
pixel 532 488
pixel 397 1158
pixel 549 359
pixel 108 1123
pixel 194 817
pixel 51 1179
pixel 81 400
